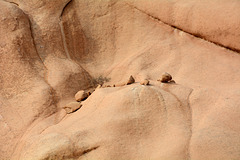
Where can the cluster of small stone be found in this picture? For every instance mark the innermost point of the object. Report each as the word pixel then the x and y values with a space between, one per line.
pixel 83 95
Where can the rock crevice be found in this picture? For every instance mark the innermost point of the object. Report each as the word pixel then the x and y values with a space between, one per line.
pixel 180 29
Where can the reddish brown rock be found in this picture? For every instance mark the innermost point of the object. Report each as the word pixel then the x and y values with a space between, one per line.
pixel 166 77
pixel 130 80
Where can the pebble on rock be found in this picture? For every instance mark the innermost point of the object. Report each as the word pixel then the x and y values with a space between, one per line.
pixel 72 107
pixel 130 80
pixel 166 77
pixel 80 95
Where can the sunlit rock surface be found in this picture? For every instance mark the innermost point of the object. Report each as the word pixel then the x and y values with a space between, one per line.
pixel 51 49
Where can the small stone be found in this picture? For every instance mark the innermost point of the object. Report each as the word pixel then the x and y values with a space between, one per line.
pixel 72 107
pixel 130 80
pixel 81 95
pixel 166 77
pixel 145 82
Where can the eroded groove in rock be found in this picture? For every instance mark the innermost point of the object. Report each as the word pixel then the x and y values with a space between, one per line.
pixel 34 43
pixel 62 31
pixel 190 125
pixel 64 39
pixel 89 150
pixel 178 28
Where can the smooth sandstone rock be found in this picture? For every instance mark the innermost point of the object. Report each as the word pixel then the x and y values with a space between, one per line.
pixel 134 121
pixel 80 40
pixel 72 107
pixel 203 22
pixel 81 95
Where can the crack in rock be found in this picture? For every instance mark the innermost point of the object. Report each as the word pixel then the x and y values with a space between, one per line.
pixel 60 17
pixel 14 3
pixel 173 26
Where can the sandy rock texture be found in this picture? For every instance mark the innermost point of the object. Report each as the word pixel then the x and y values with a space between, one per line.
pixel 51 49
pixel 216 21
pixel 135 127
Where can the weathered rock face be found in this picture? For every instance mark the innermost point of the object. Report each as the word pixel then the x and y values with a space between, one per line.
pixel 63 72
pixel 198 17
pixel 142 121
pixel 24 94
pixel 50 49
